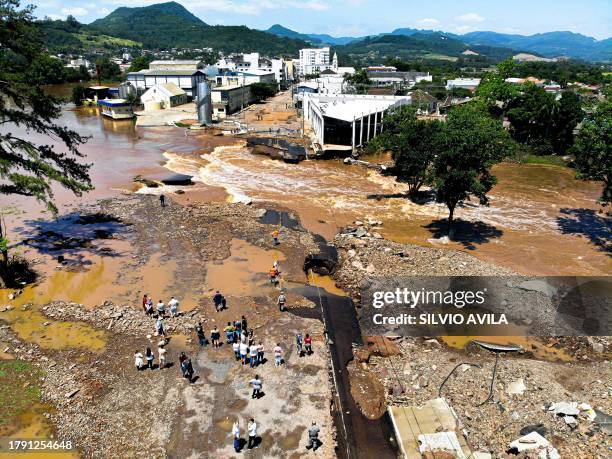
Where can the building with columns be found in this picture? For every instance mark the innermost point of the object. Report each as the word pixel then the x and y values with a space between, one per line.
pixel 344 122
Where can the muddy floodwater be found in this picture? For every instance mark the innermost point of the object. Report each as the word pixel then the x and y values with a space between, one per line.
pixel 541 219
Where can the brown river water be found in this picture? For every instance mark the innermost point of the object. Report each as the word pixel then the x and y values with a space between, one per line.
pixel 541 220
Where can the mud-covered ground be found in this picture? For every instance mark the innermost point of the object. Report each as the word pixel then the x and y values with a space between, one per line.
pixel 409 371
pixel 98 400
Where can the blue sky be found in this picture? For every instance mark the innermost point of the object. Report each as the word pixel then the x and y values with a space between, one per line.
pixel 363 17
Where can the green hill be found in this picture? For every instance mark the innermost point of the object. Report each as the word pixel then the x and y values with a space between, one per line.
pixel 170 25
pixel 72 37
pixel 431 46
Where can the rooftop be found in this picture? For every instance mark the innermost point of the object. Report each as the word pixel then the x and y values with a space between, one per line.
pixel 347 107
pixel 188 72
pixel 229 87
pixel 174 62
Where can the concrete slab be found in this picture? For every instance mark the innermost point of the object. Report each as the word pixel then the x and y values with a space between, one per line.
pixel 434 417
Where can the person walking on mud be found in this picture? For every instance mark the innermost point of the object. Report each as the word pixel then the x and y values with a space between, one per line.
pixel 313 437
pixel 281 302
pixel 236 349
pixel 148 305
pixel 200 333
pixel 215 336
pixel 162 200
pixel 244 350
pixel 252 430
pixel 173 303
pixel 159 325
pixel 275 236
pixel 253 355
pixel 308 344
pixel 138 360
pixel 219 301
pixel 257 384
pixel 150 358
pixel 260 353
pixel 229 333
pixel 236 436
pixel 145 300
pixel 161 351
pixel 278 355
pixel 299 343
pixel 161 308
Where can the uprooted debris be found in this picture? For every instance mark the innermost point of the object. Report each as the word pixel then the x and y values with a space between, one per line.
pixel 534 441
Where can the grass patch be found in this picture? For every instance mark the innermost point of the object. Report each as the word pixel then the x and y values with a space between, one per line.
pixel 549 160
pixel 18 389
pixel 99 40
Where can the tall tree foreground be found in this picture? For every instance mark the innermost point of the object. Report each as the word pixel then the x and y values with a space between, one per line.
pixel 28 167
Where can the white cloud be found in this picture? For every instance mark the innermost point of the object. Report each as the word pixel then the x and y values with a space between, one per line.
pixel 469 17
pixel 463 28
pixel 310 5
pixel 428 21
pixel 74 11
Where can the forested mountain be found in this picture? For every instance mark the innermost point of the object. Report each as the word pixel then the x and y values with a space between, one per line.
pixel 170 25
pixel 381 48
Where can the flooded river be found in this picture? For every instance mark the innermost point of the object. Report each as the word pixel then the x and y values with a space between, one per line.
pixel 541 220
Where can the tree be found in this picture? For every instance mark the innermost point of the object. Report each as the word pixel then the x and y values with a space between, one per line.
pixel 532 117
pixel 593 149
pixel 140 62
pixel 27 167
pixel 78 95
pixel 109 71
pixel 469 144
pixel 413 145
pixel 569 115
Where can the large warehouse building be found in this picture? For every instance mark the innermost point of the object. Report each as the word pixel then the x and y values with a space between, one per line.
pixel 347 121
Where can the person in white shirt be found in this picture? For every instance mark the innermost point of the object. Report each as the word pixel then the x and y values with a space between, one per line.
pixel 173 303
pixel 236 435
pixel 278 355
pixel 244 350
pixel 257 385
pixel 236 349
pixel 253 354
pixel 252 429
pixel 161 308
pixel 161 350
pixel 138 360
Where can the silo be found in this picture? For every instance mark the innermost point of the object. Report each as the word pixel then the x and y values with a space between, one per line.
pixel 204 104
pixel 125 89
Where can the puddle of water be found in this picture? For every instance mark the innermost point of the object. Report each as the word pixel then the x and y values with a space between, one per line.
pixel 537 348
pixel 33 425
pixel 326 283
pixel 245 272
pixel 29 325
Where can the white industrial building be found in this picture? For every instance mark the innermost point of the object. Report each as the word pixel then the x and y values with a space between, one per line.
pixel 254 63
pixel 175 65
pixel 243 78
pixel 164 95
pixel 187 80
pixel 347 121
pixel 463 83
pixel 229 99
pixel 313 60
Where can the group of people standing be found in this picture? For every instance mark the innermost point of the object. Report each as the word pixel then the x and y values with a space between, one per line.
pixel 149 356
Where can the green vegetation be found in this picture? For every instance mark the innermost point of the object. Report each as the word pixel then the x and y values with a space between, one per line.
pixel 413 145
pixel 454 157
pixel 546 160
pixel 26 167
pixel 18 389
pixel 426 48
pixel 139 63
pixel 170 25
pixel 593 149
pixel 70 36
pixel 78 95
pixel 109 71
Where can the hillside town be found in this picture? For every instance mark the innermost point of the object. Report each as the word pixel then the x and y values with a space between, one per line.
pixel 197 222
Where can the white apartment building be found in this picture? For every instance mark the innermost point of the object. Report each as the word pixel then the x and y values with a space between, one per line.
pixel 313 60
